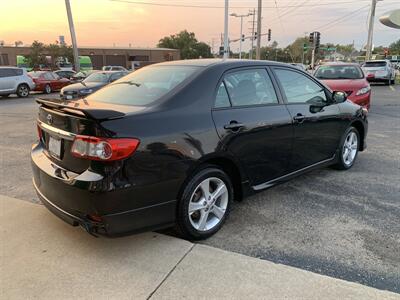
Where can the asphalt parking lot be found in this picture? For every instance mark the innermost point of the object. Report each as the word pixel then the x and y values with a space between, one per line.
pixel 341 224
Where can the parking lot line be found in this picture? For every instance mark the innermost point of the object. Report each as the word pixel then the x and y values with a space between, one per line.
pixel 392 88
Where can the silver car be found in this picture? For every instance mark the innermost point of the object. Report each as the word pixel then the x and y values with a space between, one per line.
pixel 379 71
pixel 15 80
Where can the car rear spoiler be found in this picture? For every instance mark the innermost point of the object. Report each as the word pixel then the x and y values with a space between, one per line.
pixel 90 113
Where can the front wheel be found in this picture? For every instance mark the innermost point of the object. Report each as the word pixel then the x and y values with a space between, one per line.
pixel 348 149
pixel 205 203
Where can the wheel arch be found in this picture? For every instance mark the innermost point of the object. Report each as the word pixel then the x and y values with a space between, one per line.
pixel 357 124
pixel 228 164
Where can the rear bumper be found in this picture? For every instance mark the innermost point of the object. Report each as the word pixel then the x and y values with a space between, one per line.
pixel 73 200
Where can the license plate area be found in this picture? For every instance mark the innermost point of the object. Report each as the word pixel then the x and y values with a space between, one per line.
pixel 55 146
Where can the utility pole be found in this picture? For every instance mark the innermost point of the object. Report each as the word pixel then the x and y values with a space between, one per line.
pixel 312 58
pixel 370 29
pixel 226 42
pixel 73 36
pixel 258 29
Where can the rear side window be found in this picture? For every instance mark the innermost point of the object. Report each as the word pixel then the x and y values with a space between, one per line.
pixel 4 72
pixel 144 86
pixel 222 98
pixel 250 87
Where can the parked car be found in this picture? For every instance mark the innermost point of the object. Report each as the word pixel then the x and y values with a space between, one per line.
pixel 90 84
pixel 299 66
pixel 65 73
pixel 114 68
pixel 379 71
pixel 15 81
pixel 178 142
pixel 79 76
pixel 47 81
pixel 348 78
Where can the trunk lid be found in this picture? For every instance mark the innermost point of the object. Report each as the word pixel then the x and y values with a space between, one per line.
pixel 60 121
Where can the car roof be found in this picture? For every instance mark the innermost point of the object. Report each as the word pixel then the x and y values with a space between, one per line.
pixel 340 64
pixel 106 72
pixel 208 62
pixel 9 67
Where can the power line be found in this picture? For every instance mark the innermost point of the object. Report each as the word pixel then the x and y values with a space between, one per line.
pixel 221 7
pixel 334 22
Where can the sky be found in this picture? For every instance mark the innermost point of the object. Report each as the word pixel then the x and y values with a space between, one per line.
pixel 127 22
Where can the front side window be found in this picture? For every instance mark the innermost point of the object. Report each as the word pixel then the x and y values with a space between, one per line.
pixel 250 87
pixel 144 86
pixel 298 88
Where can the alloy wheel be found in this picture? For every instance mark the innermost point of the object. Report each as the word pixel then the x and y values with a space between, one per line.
pixel 23 91
pixel 350 148
pixel 208 204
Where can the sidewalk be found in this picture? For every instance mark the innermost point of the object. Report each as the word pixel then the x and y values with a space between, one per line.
pixel 42 257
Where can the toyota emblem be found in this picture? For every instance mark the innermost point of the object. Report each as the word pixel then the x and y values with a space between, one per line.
pixel 49 119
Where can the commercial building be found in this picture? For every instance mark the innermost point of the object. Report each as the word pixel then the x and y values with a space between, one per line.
pixel 103 56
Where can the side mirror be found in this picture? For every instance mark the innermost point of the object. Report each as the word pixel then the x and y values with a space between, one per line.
pixel 339 97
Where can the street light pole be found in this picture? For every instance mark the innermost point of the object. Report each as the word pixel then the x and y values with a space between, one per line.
pixel 226 43
pixel 241 30
pixel 240 43
pixel 371 29
pixel 73 36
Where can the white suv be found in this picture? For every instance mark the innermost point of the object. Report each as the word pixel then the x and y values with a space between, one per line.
pixel 15 80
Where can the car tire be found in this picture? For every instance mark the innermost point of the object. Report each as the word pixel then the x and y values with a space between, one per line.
pixel 348 149
pixel 23 90
pixel 199 213
pixel 47 89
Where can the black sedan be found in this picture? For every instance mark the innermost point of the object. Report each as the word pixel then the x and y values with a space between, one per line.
pixel 176 143
pixel 90 84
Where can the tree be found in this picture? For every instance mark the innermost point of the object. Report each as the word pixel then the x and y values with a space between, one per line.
pixel 53 50
pixel 394 48
pixel 36 56
pixel 188 45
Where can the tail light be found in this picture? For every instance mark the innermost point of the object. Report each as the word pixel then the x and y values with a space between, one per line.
pixel 104 149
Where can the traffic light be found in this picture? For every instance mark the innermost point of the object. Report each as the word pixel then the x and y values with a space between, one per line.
pixel 317 40
pixel 255 35
pixel 269 34
pixel 242 37
pixel 311 38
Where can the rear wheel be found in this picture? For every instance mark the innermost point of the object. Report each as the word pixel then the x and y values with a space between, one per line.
pixel 205 203
pixel 23 90
pixel 348 149
pixel 47 89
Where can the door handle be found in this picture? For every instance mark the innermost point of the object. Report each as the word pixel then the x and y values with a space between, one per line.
pixel 234 126
pixel 299 118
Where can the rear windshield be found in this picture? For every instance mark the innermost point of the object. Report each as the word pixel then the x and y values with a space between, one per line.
pixel 339 72
pixel 35 74
pixel 144 86
pixel 97 77
pixel 375 64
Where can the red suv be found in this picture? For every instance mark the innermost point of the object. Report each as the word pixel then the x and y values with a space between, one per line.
pixel 348 78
